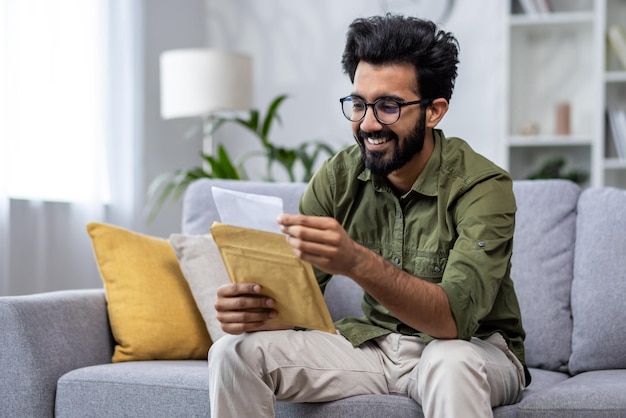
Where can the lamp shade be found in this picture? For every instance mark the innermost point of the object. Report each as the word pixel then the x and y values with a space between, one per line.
pixel 198 82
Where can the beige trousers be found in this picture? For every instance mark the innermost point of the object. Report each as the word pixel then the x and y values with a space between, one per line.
pixel 449 378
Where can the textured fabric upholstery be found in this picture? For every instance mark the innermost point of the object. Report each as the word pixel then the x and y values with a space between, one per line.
pixel 599 284
pixel 161 388
pixel 41 338
pixel 542 266
pixel 598 394
pixel 138 389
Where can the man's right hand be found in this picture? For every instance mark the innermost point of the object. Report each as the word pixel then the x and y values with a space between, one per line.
pixel 241 308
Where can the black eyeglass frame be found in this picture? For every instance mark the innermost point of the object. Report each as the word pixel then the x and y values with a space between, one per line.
pixel 399 103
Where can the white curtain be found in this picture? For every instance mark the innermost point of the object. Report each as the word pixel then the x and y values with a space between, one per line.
pixel 68 135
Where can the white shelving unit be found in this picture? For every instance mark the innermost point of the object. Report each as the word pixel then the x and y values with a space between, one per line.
pixel 614 94
pixel 562 56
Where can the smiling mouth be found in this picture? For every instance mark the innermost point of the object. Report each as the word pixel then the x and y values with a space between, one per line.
pixel 375 138
pixel 377 141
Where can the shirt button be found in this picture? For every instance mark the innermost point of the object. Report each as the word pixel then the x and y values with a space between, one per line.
pixel 437 269
pixel 396 260
pixel 480 244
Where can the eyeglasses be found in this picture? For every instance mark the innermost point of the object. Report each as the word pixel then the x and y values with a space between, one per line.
pixel 386 110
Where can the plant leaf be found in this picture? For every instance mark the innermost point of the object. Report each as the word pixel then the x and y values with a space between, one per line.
pixel 272 113
pixel 170 184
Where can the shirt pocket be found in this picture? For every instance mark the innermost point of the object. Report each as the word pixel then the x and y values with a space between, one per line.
pixel 429 267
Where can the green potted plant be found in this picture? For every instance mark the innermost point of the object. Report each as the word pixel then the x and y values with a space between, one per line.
pixel 172 185
pixel 553 169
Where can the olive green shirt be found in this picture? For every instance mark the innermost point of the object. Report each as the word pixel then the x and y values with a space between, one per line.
pixel 454 228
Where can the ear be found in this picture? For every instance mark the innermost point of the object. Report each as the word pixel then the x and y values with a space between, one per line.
pixel 435 112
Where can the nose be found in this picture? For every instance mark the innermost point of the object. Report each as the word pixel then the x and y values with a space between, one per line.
pixel 369 122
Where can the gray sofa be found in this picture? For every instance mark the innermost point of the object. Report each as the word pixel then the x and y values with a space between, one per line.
pixel 569 267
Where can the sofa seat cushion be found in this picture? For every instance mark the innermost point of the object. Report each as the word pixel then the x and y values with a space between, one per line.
pixel 596 394
pixel 180 388
pixel 364 406
pixel 542 380
pixel 162 388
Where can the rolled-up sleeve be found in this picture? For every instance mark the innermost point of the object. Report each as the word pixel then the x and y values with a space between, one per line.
pixel 480 258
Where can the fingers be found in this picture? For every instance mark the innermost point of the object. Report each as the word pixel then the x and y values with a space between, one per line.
pixel 241 308
pixel 321 241
pixel 312 235
pixel 316 222
pixel 305 248
pixel 315 229
pixel 238 289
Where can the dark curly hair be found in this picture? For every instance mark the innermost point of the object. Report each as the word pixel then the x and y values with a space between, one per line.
pixel 395 39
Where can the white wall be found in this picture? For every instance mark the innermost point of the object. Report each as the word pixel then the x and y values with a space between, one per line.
pixel 168 24
pixel 297 45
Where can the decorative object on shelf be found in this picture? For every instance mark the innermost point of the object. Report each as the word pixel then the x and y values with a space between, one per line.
pixel 617 126
pixel 529 129
pixel 173 184
pixel 617 41
pixel 533 7
pixel 562 113
pixel 204 83
pixel 553 169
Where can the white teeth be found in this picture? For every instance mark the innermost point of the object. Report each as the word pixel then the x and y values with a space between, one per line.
pixel 377 141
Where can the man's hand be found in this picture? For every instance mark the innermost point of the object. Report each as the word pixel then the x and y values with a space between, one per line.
pixel 321 241
pixel 241 308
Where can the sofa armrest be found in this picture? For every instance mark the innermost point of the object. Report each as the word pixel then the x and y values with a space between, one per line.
pixel 43 336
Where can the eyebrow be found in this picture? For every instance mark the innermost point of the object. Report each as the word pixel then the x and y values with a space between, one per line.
pixel 384 96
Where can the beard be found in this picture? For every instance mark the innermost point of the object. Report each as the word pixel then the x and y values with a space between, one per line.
pixel 403 152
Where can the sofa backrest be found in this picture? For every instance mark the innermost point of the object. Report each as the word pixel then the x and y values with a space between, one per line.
pixel 542 268
pixel 599 284
pixel 542 263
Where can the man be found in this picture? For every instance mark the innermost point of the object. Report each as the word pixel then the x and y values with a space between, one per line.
pixel 422 223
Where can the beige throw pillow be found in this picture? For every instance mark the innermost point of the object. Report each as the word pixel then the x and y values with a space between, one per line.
pixel 202 266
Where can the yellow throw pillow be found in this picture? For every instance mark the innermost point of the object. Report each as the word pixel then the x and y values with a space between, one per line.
pixel 152 313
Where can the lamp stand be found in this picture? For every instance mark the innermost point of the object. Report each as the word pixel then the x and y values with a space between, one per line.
pixel 207 139
pixel 207 134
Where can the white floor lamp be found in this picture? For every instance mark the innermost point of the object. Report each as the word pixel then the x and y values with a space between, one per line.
pixel 204 82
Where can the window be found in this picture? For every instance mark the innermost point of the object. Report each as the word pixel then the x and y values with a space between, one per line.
pixel 53 99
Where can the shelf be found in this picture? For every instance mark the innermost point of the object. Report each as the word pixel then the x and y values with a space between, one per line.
pixel 550 19
pixel 556 57
pixel 615 164
pixel 549 141
pixel 615 77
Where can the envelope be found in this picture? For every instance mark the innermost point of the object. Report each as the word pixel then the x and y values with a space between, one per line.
pixel 254 256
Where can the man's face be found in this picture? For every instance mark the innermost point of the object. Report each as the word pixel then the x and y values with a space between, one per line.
pixel 386 148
